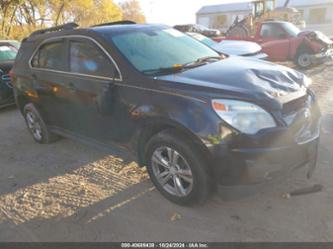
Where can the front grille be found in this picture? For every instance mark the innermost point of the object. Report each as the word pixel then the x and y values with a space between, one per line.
pixel 302 118
pixel 295 108
pixel 296 105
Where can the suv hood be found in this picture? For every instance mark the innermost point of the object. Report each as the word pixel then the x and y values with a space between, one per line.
pixel 243 76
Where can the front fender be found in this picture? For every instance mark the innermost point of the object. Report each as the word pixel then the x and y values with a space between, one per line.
pixel 195 119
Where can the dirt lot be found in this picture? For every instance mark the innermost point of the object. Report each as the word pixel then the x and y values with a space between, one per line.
pixel 70 192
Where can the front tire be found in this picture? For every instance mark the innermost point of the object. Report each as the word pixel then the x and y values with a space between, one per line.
pixel 303 59
pixel 177 168
pixel 37 126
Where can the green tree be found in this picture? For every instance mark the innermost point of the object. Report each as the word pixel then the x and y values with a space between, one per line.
pixel 18 18
pixel 132 11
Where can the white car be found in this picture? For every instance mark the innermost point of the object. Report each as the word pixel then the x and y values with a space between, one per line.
pixel 232 47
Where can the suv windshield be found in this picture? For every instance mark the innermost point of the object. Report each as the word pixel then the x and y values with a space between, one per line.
pixel 291 29
pixel 7 53
pixel 149 50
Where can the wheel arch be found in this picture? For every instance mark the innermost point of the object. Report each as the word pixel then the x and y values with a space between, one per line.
pixel 154 127
pixel 303 47
pixel 22 101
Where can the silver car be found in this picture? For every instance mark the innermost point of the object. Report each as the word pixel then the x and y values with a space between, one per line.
pixel 232 47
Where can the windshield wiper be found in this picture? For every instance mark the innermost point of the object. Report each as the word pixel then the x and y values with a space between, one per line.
pixel 180 67
pixel 163 70
pixel 202 61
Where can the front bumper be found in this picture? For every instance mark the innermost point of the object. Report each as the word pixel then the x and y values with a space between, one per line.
pixel 322 57
pixel 248 160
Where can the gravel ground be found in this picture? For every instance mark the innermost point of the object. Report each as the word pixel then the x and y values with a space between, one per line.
pixel 67 191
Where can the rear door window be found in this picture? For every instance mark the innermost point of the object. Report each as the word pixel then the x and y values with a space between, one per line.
pixel 50 56
pixel 87 58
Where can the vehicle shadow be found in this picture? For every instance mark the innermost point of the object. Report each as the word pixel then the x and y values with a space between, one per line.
pixel 45 181
pixel 7 108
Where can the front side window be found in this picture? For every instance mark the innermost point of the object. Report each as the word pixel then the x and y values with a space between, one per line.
pixel 162 48
pixel 50 56
pixel 87 58
pixel 258 9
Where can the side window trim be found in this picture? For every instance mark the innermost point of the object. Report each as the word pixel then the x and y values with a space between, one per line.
pixel 67 37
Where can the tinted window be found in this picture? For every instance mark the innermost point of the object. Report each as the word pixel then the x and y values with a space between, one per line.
pixel 271 31
pixel 87 58
pixel 51 56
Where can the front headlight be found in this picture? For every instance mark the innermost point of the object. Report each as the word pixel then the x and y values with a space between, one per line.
pixel 244 116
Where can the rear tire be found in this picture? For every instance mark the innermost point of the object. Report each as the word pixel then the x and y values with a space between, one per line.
pixel 177 168
pixel 37 126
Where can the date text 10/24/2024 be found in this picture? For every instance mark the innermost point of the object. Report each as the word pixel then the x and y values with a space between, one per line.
pixel 164 245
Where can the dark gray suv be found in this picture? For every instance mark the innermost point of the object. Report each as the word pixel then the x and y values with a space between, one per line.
pixel 194 117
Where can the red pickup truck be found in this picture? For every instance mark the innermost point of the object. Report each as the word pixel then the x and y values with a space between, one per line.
pixel 283 41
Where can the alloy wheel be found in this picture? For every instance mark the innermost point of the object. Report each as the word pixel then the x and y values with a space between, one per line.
pixel 304 60
pixel 34 126
pixel 172 171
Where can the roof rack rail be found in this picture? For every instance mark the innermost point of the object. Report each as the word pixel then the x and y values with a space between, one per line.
pixel 114 23
pixel 71 25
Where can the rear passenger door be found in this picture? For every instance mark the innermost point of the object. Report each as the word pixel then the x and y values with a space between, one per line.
pixel 90 89
pixel 47 65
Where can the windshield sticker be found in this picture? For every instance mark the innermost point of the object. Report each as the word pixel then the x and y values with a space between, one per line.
pixel 174 33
